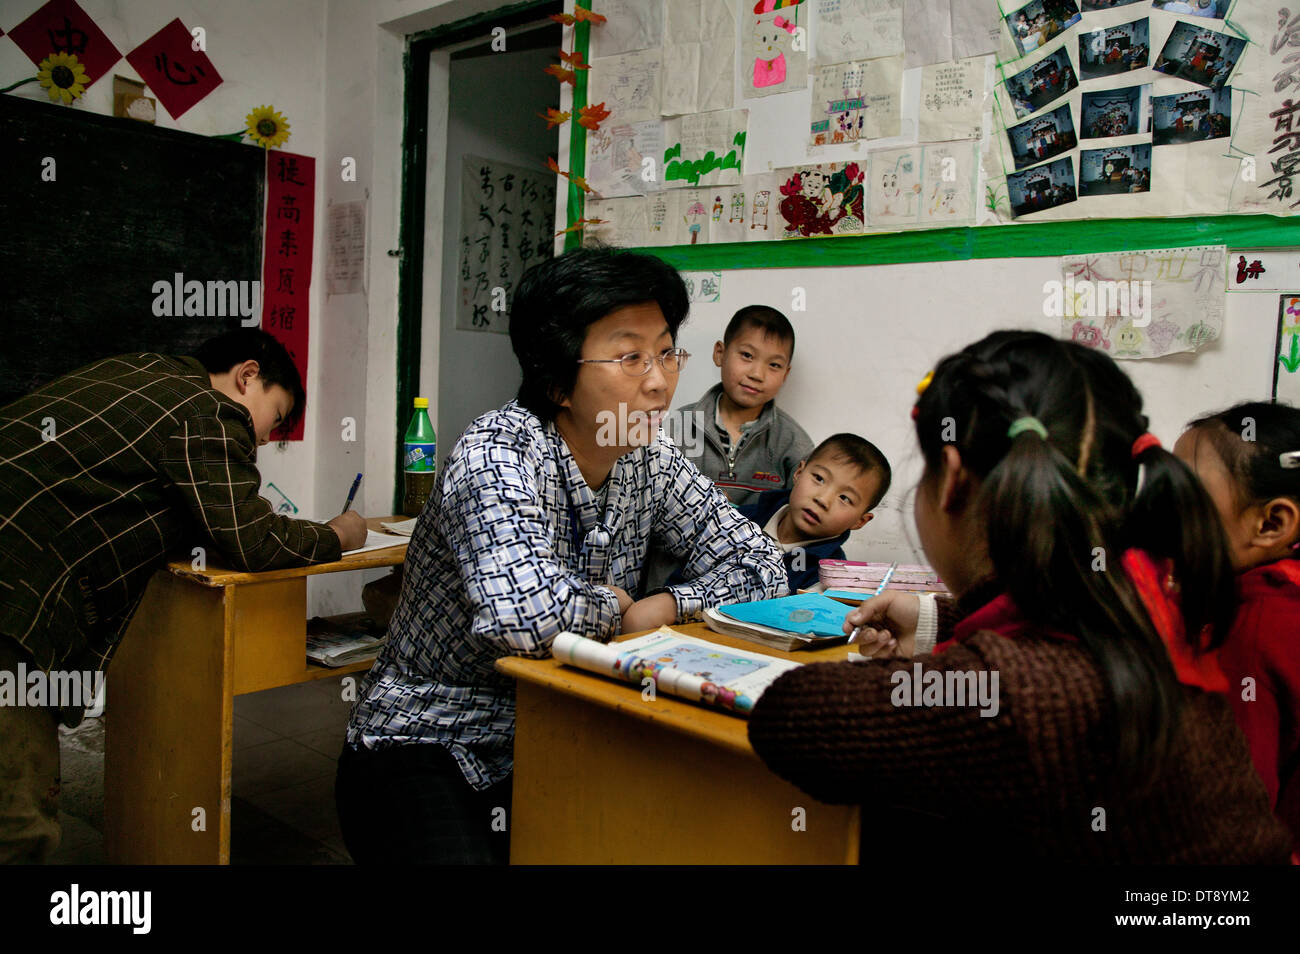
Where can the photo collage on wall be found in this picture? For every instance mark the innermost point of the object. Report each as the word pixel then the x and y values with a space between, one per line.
pixel 1090 94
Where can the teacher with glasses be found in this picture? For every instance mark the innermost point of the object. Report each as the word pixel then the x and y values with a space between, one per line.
pixel 540 524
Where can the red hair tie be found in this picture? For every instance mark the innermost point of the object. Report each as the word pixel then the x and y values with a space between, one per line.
pixel 1144 443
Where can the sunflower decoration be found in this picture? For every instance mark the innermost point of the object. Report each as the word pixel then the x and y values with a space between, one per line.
pixel 267 127
pixel 63 76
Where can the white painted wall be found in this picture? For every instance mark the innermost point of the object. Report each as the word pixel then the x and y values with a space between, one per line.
pixel 870 333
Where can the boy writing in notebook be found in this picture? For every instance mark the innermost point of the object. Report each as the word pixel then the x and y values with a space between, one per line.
pixel 103 472
pixel 834 492
pixel 748 445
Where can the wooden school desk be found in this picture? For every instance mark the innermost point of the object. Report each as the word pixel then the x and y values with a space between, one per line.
pixel 603 777
pixel 199 639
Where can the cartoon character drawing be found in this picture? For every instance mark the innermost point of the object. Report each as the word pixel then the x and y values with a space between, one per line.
pixel 761 199
pixel 894 189
pixel 717 208
pixel 737 207
pixel 1128 343
pixel 817 201
pixel 773 38
pixel 1089 335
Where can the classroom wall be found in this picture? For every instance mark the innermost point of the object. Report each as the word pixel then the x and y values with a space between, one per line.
pixel 870 333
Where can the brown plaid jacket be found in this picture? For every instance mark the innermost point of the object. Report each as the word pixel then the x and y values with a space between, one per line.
pixel 106 470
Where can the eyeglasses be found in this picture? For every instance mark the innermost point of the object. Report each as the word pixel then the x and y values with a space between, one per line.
pixel 637 363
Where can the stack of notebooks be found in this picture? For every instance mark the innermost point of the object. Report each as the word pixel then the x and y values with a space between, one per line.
pixel 856 580
pixel 806 621
pixel 340 640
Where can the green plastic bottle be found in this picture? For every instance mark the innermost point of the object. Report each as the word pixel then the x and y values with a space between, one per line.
pixel 419 460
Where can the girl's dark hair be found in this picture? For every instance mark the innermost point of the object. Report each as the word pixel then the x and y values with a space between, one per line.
pixel 1049 504
pixel 274 364
pixel 1250 438
pixel 558 299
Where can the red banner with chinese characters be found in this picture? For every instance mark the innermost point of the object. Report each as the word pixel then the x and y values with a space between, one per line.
pixel 286 255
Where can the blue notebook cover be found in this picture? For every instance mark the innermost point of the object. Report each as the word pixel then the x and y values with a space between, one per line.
pixel 805 614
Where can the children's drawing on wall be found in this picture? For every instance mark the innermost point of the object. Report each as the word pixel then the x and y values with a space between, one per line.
pixel 693 204
pixel 1141 304
pixel 1115 171
pixel 1192 117
pixel 1199 55
pixel 705 148
pixel 629 25
pixel 1033 24
pixel 1216 9
pixel 727 214
pixel 948 184
pixel 616 158
pixel 660 229
pixel 895 187
pixel 760 223
pixel 838 111
pixel 1286 364
pixel 1042 187
pixel 775 48
pixel 1039 139
pixel 1115 112
pixel 699 56
pixel 1036 86
pixel 823 200
pixel 857 30
pixel 1116 49
pixel 628 85
pixel 952 101
pixel 621 222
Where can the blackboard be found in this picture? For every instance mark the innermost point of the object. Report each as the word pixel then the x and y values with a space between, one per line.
pixel 129 205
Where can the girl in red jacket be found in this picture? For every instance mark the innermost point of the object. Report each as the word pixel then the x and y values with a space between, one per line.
pixel 1068 713
pixel 1248 457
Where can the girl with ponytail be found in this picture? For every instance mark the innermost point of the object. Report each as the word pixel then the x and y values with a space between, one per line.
pixel 1248 458
pixel 1092 584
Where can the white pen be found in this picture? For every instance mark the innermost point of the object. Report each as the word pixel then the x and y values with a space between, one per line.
pixel 884 582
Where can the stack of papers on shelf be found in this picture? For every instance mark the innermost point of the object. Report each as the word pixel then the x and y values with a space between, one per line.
pixel 808 620
pixel 339 640
pixel 855 576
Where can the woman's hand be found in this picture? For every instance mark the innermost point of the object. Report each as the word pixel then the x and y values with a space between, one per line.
pixel 888 624
pixel 650 613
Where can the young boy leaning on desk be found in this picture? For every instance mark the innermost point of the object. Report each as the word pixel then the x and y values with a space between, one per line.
pixel 103 472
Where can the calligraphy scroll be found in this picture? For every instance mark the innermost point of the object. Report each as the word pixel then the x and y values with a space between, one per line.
pixel 287 255
pixel 506 227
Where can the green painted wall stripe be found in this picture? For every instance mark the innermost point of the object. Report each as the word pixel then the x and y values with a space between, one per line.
pixel 994 241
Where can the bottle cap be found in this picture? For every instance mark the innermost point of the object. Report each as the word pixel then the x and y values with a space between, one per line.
pixel 421 402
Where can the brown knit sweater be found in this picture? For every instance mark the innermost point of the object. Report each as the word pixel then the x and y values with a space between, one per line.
pixel 1025 783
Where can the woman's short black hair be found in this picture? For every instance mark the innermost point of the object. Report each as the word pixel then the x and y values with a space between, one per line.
pixel 558 299
pixel 274 364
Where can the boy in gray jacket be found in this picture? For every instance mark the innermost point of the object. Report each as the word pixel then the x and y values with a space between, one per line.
pixel 748 444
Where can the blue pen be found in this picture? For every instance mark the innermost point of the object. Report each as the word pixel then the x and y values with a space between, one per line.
pixel 352 494
pixel 884 582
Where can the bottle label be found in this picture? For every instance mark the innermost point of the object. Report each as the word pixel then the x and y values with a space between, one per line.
pixel 420 457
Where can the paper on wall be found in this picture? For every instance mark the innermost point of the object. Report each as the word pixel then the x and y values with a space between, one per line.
pixel 894 187
pixel 771 60
pixel 699 56
pixel 728 212
pixel 948 184
pixel 661 219
pixel 927 31
pixel 623 222
pixel 681 80
pixel 616 158
pixel 630 25
pixel 882 92
pixel 857 30
pixel 628 85
pixel 952 100
pixel 1142 304
pixel 764 221
pixel 1286 364
pixel 693 211
pixel 975 28
pixel 705 148
pixel 827 199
